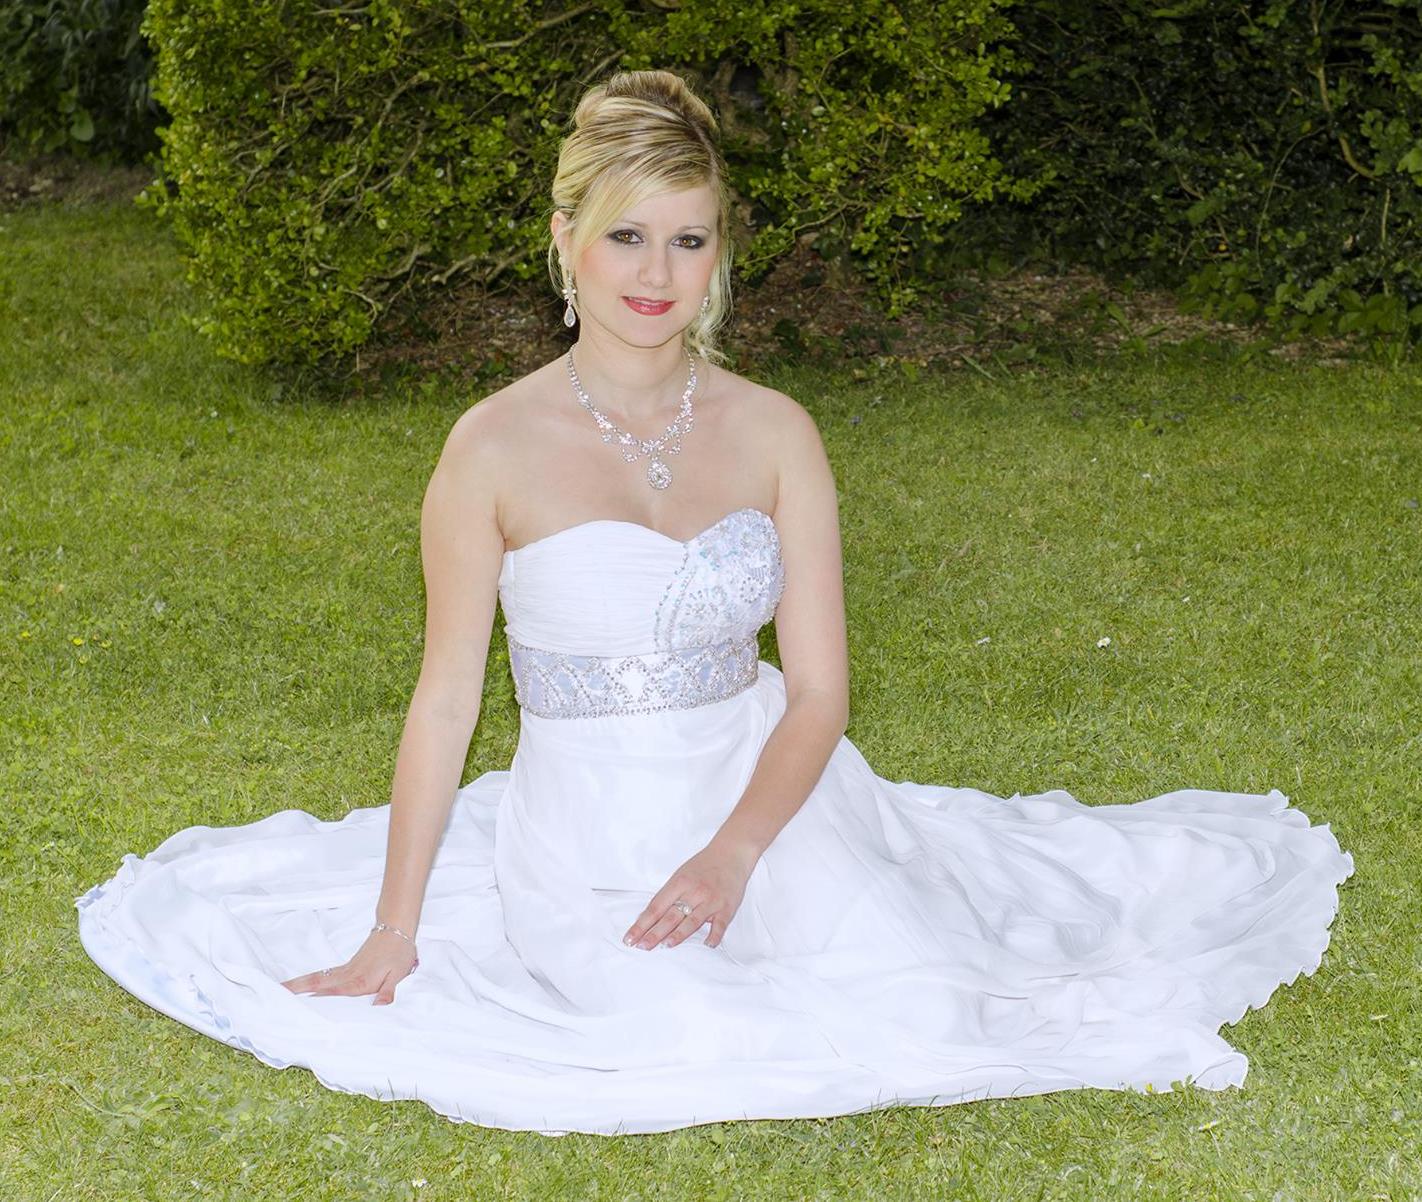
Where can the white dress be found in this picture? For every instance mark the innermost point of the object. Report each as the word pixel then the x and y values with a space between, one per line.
pixel 898 943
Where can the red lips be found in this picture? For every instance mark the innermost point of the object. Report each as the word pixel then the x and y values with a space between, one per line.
pixel 649 308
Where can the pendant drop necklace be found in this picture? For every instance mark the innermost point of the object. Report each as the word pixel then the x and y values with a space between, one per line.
pixel 658 474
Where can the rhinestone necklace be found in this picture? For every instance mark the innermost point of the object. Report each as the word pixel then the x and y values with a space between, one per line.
pixel 658 474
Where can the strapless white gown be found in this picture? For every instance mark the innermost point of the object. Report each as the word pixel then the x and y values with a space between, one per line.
pixel 898 943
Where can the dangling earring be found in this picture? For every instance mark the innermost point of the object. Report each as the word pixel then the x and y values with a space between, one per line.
pixel 705 303
pixel 570 315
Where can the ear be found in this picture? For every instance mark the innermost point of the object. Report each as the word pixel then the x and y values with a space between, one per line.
pixel 555 226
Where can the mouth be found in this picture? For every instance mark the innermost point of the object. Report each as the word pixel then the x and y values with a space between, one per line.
pixel 642 304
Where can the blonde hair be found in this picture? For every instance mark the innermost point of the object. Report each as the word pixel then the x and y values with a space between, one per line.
pixel 637 134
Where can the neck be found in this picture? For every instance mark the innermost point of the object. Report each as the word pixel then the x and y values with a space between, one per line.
pixel 639 383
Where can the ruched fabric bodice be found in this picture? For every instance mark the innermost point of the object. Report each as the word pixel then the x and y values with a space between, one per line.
pixel 632 589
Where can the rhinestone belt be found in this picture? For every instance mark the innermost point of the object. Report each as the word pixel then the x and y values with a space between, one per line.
pixel 553 684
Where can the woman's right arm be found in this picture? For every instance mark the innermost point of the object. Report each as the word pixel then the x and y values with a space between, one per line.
pixel 461 548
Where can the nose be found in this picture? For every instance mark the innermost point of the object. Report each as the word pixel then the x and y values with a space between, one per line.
pixel 655 273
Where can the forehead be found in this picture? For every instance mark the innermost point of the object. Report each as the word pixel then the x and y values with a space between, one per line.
pixel 685 206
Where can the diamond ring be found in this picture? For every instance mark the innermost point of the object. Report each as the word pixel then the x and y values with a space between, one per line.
pixel 683 907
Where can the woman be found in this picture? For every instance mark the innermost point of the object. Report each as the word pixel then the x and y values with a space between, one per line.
pixel 830 941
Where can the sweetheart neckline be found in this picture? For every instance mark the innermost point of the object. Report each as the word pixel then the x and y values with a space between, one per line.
pixel 680 542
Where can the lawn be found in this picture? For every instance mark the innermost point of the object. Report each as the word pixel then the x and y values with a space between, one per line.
pixel 211 610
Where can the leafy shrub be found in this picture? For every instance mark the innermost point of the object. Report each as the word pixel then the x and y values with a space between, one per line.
pixel 74 76
pixel 1266 159
pixel 324 163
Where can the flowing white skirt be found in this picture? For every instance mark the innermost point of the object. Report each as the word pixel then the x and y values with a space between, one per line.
pixel 898 943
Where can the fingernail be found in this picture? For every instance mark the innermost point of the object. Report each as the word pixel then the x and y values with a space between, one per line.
pixel 627 939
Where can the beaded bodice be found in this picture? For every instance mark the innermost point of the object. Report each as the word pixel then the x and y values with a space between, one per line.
pixel 612 617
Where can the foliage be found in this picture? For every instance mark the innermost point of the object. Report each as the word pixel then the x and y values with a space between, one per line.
pixel 324 162
pixel 74 76
pixel 1267 158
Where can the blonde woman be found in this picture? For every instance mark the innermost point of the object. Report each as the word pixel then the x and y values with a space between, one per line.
pixel 689 898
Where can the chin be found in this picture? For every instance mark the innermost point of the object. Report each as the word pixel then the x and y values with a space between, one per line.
pixel 649 339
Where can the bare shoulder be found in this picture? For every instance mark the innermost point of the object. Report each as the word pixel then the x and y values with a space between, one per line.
pixel 486 431
pixel 804 482
pixel 489 436
pixel 767 409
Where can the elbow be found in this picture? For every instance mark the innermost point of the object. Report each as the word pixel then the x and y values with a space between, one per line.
pixel 455 708
pixel 831 707
pixel 837 704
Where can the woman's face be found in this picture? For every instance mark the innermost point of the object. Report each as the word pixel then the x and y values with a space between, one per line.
pixel 643 280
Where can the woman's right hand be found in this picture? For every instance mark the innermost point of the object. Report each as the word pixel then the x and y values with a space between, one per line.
pixel 382 961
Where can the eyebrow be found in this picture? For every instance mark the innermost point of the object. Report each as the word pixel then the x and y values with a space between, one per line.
pixel 683 229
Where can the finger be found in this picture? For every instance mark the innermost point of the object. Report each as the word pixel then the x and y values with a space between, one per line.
pixel 635 932
pixel 338 983
pixel 650 932
pixel 655 910
pixel 671 918
pixel 718 928
pixel 688 926
pixel 666 924
pixel 326 986
pixel 305 982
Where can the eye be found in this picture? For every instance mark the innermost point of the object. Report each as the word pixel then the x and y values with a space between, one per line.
pixel 689 241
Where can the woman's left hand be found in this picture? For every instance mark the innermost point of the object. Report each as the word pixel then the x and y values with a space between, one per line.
pixel 712 883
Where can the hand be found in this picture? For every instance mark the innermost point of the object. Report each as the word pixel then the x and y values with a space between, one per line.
pixel 712 883
pixel 384 959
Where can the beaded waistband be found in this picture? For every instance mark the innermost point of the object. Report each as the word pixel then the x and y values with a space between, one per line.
pixel 554 684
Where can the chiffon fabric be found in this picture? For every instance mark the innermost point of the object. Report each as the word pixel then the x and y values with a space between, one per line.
pixel 898 943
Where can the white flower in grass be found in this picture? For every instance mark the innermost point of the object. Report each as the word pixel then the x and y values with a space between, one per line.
pixel 1104 641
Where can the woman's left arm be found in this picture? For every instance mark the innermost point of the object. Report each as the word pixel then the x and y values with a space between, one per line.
pixel 814 657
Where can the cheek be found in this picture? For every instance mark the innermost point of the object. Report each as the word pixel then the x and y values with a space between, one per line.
pixel 696 282
pixel 702 265
pixel 605 262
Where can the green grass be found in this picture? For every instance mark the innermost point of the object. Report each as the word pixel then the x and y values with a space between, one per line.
pixel 210 610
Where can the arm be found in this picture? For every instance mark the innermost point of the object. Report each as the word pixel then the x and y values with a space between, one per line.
pixel 809 624
pixel 810 632
pixel 461 549
pixel 462 552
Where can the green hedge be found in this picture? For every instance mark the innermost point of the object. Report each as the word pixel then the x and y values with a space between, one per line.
pixel 75 76
pixel 1264 158
pixel 324 163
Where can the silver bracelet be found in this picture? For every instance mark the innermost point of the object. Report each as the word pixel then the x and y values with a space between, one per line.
pixel 385 926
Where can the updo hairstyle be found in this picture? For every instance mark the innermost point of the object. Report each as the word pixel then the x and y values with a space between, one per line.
pixel 638 134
